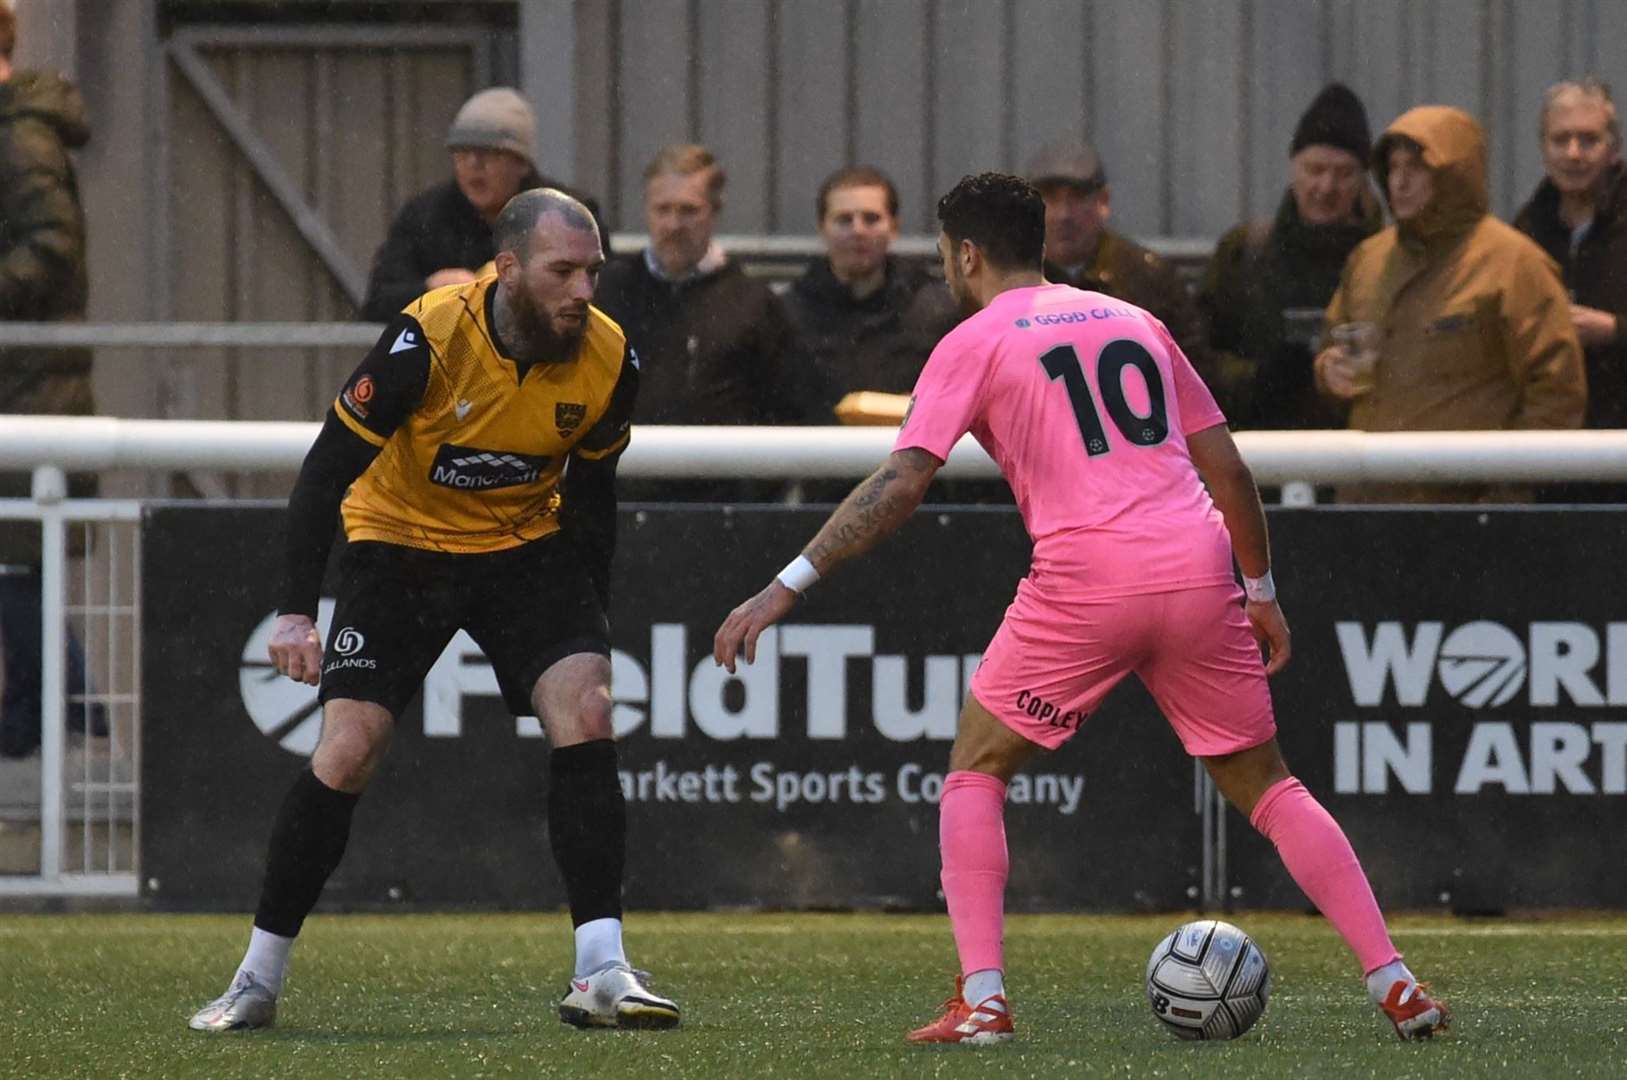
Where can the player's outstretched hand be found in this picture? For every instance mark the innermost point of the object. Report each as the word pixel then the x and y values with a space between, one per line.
pixel 296 648
pixel 746 622
pixel 1270 630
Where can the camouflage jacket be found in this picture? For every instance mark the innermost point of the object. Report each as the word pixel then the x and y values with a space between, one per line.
pixel 42 257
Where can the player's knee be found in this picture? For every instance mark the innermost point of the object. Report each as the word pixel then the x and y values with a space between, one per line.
pixel 344 766
pixel 593 713
pixel 350 751
pixel 575 714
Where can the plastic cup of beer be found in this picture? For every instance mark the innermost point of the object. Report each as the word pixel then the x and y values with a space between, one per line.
pixel 1358 342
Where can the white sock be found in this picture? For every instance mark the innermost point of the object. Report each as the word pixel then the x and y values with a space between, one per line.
pixel 979 986
pixel 1381 979
pixel 598 943
pixel 267 958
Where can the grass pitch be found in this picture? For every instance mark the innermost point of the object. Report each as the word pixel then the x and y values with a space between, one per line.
pixel 417 997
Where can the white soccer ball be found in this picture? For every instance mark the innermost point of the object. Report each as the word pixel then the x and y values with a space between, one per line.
pixel 1208 980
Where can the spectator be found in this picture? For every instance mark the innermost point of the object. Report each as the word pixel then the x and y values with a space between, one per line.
pixel 1579 217
pixel 42 279
pixel 1080 250
pixel 1265 290
pixel 1469 322
pixel 863 319
pixel 710 339
pixel 443 235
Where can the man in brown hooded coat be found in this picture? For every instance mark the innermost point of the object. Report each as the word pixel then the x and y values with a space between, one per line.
pixel 1472 319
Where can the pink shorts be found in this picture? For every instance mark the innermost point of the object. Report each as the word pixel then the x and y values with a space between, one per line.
pixel 1053 661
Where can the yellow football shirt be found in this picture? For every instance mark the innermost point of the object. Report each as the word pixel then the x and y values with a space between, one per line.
pixel 472 443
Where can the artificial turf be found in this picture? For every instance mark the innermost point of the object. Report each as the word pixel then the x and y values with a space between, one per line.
pixel 412 997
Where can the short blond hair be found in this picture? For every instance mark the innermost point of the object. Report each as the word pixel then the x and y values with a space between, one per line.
pixel 687 159
pixel 1589 88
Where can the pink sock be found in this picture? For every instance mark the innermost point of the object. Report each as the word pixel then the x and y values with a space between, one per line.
pixel 972 843
pixel 1321 862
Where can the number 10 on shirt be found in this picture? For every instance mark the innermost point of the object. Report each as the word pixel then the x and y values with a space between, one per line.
pixel 1063 363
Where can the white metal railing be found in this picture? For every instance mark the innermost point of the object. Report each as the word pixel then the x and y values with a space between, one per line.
pixel 191 335
pixel 88 818
pixel 1277 457
pixel 769 255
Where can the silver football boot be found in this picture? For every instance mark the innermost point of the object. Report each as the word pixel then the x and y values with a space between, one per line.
pixel 616 996
pixel 246 1004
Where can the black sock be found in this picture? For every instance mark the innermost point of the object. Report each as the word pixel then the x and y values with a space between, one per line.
pixel 587 827
pixel 307 842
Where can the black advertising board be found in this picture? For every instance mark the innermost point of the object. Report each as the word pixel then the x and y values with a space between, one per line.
pixel 810 782
pixel 1456 699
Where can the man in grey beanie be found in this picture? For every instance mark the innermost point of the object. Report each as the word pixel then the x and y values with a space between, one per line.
pixel 443 236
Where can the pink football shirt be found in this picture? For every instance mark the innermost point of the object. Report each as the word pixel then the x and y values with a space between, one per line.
pixel 1085 403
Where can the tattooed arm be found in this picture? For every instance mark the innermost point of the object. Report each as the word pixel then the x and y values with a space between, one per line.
pixel 875 508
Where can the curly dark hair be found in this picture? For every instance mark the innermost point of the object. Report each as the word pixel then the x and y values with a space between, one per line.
pixel 1002 214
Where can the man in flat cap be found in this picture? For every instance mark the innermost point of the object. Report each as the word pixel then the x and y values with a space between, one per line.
pixel 443 236
pixel 1080 250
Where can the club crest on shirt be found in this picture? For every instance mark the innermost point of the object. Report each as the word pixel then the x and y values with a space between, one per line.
pixel 568 416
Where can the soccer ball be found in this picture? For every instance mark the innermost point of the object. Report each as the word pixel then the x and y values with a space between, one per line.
pixel 1208 980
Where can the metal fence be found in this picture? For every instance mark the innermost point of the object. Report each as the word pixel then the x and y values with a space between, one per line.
pixel 70 815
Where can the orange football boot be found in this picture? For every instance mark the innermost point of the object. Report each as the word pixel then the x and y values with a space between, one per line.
pixel 972 1026
pixel 1414 1013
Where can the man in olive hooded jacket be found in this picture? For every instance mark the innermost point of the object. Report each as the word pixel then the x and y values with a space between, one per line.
pixel 1473 324
pixel 42 279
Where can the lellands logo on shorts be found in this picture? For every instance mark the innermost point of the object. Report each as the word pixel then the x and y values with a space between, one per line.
pixel 347 643
pixel 469 468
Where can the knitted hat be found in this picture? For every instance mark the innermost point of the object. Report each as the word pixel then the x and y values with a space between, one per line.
pixel 1336 118
pixel 495 119
pixel 1067 161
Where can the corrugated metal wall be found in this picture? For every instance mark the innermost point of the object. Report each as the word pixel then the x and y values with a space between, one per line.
pixel 1191 102
pixel 359 130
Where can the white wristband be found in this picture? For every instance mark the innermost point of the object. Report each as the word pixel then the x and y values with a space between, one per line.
pixel 1262 590
pixel 798 575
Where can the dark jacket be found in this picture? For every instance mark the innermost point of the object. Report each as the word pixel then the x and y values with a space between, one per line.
pixel 437 229
pixel 710 348
pixel 1264 294
pixel 1125 270
pixel 878 343
pixel 1596 276
pixel 42 264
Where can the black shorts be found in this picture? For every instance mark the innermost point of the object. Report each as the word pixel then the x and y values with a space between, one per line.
pixel 527 608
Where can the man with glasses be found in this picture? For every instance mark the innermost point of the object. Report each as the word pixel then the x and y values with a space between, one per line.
pixel 443 236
